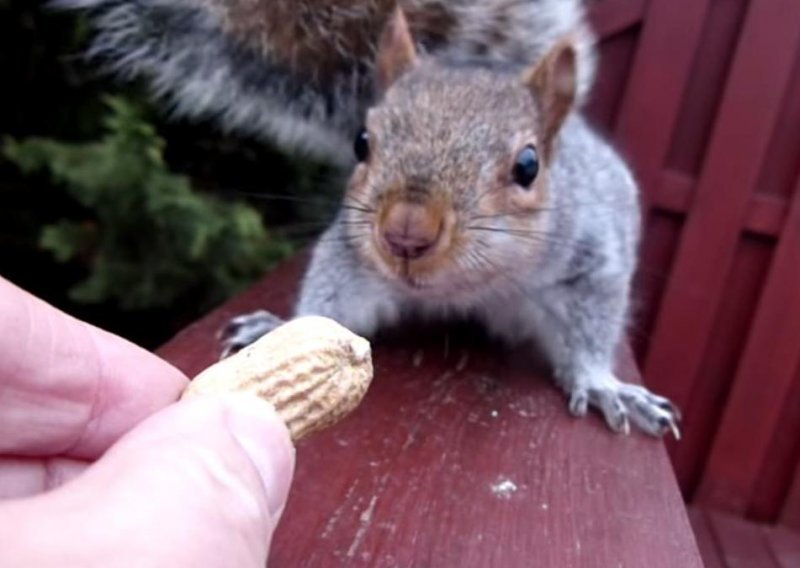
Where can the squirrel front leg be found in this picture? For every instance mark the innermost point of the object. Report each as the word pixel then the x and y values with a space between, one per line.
pixel 335 285
pixel 338 285
pixel 580 323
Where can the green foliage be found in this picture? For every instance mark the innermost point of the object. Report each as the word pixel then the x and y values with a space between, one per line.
pixel 148 240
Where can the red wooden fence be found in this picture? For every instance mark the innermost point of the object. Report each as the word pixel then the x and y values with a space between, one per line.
pixel 703 97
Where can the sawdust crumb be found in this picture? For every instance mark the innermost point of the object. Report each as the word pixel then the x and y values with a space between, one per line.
pixel 504 488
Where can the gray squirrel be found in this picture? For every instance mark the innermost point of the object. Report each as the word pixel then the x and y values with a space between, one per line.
pixel 479 189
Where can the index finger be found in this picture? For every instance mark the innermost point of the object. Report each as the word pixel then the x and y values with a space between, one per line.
pixel 67 387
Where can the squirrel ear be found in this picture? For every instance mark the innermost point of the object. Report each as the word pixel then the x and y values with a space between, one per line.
pixel 396 51
pixel 553 82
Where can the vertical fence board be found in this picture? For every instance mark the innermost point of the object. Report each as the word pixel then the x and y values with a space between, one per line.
pixel 729 148
pixel 736 152
pixel 659 76
pixel 730 331
pixel 706 86
pixel 762 383
pixel 780 461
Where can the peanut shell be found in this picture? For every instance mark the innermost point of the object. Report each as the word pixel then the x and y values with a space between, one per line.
pixel 313 371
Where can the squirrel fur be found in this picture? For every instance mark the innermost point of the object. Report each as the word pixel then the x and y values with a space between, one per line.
pixel 481 192
pixel 460 98
pixel 300 73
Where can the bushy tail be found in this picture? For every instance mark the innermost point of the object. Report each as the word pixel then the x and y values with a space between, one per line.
pixel 299 73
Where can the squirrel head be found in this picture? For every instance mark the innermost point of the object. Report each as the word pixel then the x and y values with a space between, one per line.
pixel 451 189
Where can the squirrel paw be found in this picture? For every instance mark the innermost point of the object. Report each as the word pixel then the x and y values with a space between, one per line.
pixel 243 330
pixel 622 403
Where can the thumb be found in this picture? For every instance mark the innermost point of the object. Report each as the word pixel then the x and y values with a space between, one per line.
pixel 201 483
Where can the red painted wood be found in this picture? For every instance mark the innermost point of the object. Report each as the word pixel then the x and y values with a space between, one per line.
pixel 742 544
pixel 728 541
pixel 790 515
pixel 674 192
pixel 780 170
pixel 718 368
pixel 780 461
pixel 652 102
pixel 763 381
pixel 740 134
pixel 766 214
pixel 705 87
pixel 706 541
pixel 617 54
pixel 737 149
pixel 611 17
pixel 657 252
pixel 785 546
pixel 460 456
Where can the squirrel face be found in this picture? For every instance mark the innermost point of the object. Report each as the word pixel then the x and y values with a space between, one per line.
pixel 451 189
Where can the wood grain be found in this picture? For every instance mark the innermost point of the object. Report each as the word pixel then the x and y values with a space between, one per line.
pixel 460 456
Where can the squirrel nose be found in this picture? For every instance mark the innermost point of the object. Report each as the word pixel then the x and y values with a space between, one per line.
pixel 410 231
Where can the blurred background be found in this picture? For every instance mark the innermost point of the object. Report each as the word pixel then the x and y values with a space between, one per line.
pixel 119 214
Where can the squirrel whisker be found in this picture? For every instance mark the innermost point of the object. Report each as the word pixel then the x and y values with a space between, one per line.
pixel 314 226
pixel 357 208
pixel 280 197
pixel 477 199
pixel 358 202
pixel 481 255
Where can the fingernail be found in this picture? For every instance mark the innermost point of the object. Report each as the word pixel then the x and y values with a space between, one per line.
pixel 264 437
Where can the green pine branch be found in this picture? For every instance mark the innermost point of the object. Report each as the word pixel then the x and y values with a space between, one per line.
pixel 150 238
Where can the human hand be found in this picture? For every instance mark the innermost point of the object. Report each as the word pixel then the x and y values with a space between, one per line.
pixel 99 468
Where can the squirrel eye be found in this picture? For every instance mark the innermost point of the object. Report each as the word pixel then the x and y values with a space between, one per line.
pixel 361 145
pixel 526 167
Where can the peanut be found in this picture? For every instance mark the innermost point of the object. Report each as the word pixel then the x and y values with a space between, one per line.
pixel 313 371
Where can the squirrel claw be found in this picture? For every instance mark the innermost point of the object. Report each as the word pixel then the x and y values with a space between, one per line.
pixel 675 431
pixel 622 425
pixel 245 329
pixel 579 403
pixel 623 403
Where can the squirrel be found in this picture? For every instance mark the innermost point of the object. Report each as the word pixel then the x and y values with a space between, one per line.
pixel 479 191
pixel 477 188
pixel 300 73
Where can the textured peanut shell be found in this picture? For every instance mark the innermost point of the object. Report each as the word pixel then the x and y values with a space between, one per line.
pixel 313 371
